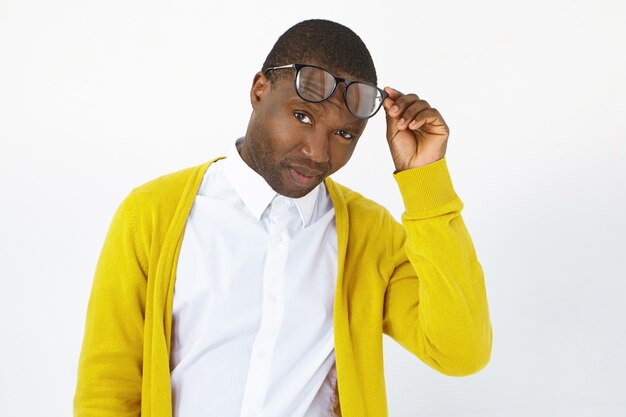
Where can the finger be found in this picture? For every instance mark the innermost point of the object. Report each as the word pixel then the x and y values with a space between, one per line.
pixel 393 93
pixel 389 103
pixel 400 105
pixel 412 109
pixel 428 117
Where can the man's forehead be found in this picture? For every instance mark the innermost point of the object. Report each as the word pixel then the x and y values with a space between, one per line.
pixel 335 69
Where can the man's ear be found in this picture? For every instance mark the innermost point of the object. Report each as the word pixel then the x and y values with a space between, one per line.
pixel 260 85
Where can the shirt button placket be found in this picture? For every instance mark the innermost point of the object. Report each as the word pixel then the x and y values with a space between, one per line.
pixel 263 348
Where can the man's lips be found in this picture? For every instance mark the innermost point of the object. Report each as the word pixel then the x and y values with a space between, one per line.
pixel 303 176
pixel 307 172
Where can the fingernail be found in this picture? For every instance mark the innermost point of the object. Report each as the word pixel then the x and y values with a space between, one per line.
pixel 401 121
pixel 395 108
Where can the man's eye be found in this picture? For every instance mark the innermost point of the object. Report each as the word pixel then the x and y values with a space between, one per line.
pixel 302 117
pixel 344 134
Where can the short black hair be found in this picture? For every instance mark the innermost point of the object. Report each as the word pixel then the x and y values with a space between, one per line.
pixel 325 43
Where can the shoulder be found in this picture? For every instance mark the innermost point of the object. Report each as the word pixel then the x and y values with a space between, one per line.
pixel 160 198
pixel 357 207
pixel 172 183
pixel 373 238
pixel 150 209
pixel 169 189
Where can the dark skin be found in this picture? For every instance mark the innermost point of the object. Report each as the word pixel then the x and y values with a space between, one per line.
pixel 294 144
pixel 416 133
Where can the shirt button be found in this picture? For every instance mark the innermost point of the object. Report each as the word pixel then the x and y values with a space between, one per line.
pixel 276 239
pixel 273 298
pixel 261 354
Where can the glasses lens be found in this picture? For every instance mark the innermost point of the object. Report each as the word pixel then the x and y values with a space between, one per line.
pixel 363 100
pixel 315 84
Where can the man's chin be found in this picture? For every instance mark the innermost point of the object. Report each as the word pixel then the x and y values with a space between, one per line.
pixel 293 184
pixel 292 190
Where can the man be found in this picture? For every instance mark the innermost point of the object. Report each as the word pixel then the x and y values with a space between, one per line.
pixel 256 286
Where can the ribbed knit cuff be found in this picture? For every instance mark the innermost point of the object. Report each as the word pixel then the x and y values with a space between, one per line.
pixel 426 187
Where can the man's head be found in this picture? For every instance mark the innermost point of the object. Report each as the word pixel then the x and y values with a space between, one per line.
pixel 294 144
pixel 325 43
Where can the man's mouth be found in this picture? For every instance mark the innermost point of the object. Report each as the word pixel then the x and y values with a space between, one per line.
pixel 303 176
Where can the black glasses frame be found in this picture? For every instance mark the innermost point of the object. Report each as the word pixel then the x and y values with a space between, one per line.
pixel 298 67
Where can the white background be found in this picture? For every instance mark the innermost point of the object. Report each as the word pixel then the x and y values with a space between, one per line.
pixel 97 97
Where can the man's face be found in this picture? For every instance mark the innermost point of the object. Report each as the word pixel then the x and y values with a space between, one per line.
pixel 294 144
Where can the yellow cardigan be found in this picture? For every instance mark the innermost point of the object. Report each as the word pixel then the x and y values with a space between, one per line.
pixel 418 282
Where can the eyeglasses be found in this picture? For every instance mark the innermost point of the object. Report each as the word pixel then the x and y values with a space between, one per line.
pixel 315 84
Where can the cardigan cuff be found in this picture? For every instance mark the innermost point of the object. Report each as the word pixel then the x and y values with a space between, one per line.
pixel 426 187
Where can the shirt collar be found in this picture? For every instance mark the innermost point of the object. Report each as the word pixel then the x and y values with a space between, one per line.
pixel 256 193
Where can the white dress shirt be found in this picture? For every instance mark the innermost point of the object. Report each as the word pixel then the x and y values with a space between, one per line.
pixel 252 319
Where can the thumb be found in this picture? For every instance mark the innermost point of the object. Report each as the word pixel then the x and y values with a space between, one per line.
pixel 392 113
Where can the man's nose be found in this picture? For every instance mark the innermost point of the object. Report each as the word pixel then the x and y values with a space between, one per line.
pixel 316 146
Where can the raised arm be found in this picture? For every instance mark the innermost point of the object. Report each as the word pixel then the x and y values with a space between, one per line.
pixel 435 304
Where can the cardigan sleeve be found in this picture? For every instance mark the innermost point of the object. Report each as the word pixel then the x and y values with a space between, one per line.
pixel 110 365
pixel 435 301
